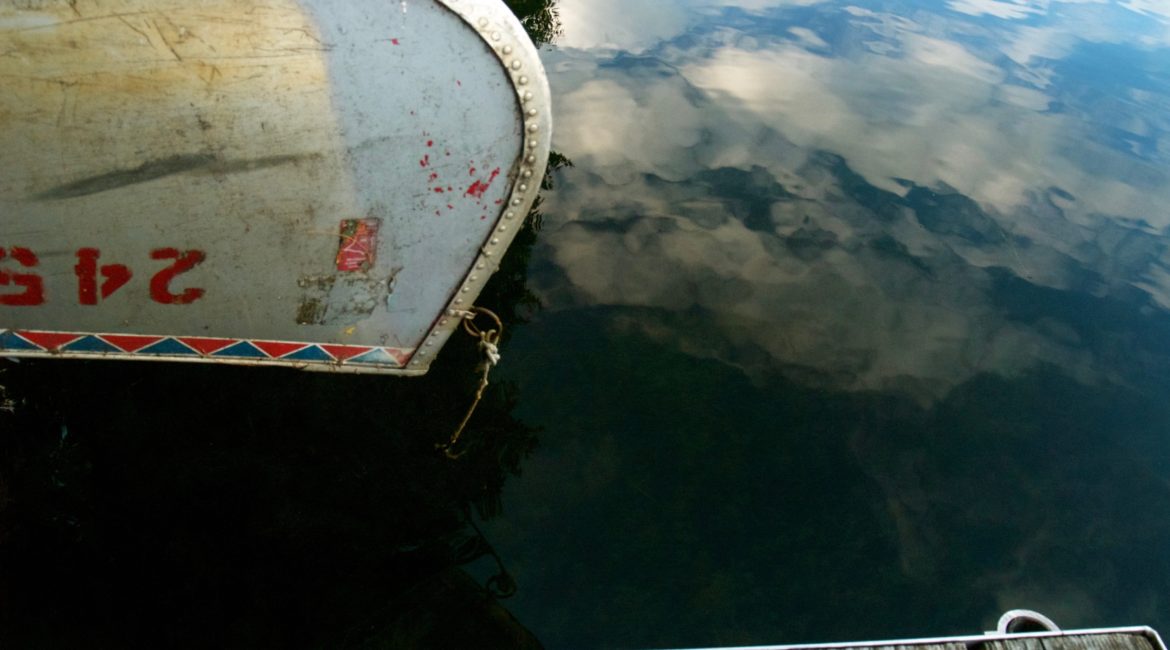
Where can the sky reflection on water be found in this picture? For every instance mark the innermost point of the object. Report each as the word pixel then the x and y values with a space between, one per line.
pixel 790 182
pixel 848 307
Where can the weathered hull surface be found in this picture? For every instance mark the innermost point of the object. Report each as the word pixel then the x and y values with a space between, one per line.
pixel 312 183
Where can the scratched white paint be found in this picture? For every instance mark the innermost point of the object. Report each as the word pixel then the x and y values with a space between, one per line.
pixel 249 131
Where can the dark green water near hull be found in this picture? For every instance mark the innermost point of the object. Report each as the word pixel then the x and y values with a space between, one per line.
pixel 739 512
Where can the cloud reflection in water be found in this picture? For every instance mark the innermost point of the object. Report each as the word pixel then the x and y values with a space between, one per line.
pixel 859 306
pixel 837 189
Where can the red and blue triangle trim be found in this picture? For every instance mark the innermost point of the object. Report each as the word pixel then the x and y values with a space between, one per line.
pixel 187 348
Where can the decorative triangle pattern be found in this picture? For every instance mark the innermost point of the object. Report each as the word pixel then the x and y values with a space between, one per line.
pixel 41 342
pixel 204 345
pixel 343 352
pixel 170 347
pixel 311 353
pixel 130 342
pixel 277 349
pixel 50 341
pixel 242 349
pixel 90 343
pixel 10 341
pixel 376 356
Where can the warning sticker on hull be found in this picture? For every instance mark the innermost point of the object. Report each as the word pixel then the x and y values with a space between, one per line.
pixel 357 244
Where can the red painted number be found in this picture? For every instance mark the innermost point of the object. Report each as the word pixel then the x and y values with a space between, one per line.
pixel 160 284
pixel 34 286
pixel 114 276
pixel 96 282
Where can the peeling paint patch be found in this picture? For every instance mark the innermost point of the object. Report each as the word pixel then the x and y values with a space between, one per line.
pixel 343 299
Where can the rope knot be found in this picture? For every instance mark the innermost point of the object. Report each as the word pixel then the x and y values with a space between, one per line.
pixel 491 351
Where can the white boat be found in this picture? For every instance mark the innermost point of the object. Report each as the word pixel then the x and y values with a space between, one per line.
pixel 310 183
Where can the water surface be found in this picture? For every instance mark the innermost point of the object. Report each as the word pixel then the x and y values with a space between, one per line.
pixel 855 323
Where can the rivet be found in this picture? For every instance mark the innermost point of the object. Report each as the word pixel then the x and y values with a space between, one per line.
pixel 450 312
pixel 532 144
pixel 527 172
pixel 523 187
pixel 516 65
pixel 487 253
pixel 480 266
pixel 495 241
pixel 495 36
pixel 458 301
pixel 430 343
pixel 443 322
pixel 472 279
pixel 531 159
pixel 507 49
pixel 422 353
pixel 523 81
pixel 516 201
pixel 483 22
pixel 527 96
pixel 503 229
pixel 509 215
pixel 466 289
pixel 532 112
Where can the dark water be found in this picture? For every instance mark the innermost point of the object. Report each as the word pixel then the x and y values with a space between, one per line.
pixel 843 321
pixel 855 323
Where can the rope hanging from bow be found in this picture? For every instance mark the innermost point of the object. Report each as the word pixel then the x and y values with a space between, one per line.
pixel 489 348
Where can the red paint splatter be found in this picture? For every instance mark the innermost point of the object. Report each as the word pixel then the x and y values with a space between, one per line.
pixel 471 172
pixel 449 188
pixel 430 143
pixel 394 41
pixel 438 190
pixel 450 207
pixel 479 187
pixel 433 176
pixel 499 201
pixel 426 160
pixel 483 217
pixel 458 83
